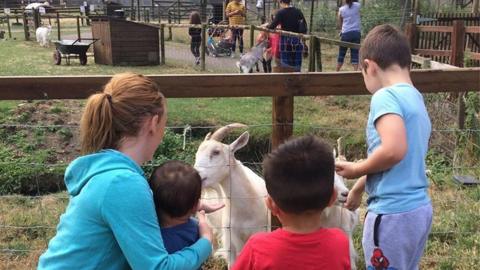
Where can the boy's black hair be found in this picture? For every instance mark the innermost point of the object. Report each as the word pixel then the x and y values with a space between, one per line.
pixel 285 1
pixel 387 46
pixel 299 175
pixel 176 188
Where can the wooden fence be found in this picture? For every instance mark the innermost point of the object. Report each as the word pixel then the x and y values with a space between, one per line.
pixel 432 39
pixel 282 87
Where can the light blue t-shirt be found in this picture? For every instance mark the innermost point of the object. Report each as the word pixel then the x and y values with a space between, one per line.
pixel 350 17
pixel 403 187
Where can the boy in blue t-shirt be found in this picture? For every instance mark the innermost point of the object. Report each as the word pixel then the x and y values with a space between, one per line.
pixel 176 190
pixel 398 130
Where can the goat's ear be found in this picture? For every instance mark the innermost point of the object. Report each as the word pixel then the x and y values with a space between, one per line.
pixel 207 137
pixel 239 142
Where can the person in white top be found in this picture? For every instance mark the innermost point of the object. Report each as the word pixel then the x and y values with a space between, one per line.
pixel 349 19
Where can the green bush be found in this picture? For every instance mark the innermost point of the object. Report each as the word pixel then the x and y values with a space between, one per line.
pixel 377 12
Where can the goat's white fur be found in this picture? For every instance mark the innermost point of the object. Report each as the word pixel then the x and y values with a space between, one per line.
pixel 243 193
pixel 223 176
pixel 43 35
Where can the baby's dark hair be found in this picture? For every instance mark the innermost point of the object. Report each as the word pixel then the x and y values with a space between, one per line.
pixel 387 46
pixel 176 188
pixel 299 175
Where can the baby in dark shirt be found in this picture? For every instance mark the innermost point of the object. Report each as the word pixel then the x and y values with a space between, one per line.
pixel 176 190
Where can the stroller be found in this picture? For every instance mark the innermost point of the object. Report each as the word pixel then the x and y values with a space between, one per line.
pixel 218 44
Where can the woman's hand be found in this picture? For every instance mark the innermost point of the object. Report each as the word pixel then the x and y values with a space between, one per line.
pixel 210 208
pixel 203 227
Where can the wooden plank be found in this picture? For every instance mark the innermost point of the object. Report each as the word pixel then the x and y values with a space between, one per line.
pixel 240 85
pixel 458 40
pixel 475 56
pixel 472 29
pixel 443 29
pixel 432 52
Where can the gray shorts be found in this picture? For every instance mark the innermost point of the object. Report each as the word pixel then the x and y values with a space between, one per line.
pixel 401 239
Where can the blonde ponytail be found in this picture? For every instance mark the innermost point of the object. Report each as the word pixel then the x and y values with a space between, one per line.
pixel 118 111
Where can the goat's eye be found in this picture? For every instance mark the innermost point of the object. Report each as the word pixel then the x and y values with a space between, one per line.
pixel 215 152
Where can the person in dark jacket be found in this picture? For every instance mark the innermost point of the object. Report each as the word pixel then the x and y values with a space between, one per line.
pixel 291 48
pixel 195 34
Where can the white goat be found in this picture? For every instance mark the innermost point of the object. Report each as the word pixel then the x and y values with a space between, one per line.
pixel 43 35
pixel 245 212
pixel 223 176
pixel 250 59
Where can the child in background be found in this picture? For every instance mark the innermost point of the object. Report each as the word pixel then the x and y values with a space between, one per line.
pixel 398 130
pixel 176 188
pixel 267 55
pixel 195 34
pixel 299 177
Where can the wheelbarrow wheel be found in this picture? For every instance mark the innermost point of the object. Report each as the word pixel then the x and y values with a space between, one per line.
pixel 83 59
pixel 57 57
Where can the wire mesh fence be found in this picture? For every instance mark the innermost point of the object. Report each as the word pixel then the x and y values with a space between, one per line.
pixel 35 153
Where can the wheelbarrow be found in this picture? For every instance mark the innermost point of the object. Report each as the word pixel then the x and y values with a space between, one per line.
pixel 72 49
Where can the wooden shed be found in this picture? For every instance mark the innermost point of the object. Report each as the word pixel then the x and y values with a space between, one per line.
pixel 124 42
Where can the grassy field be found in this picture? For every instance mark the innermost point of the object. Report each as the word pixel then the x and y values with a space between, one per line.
pixel 40 151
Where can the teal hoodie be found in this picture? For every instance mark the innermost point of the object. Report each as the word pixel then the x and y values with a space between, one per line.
pixel 110 221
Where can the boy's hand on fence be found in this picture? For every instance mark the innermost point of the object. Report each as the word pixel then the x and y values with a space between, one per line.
pixel 203 228
pixel 346 169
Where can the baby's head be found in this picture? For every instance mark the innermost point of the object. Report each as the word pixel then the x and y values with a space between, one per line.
pixel 299 175
pixel 176 189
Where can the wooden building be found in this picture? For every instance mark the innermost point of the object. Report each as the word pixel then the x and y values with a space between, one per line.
pixel 124 42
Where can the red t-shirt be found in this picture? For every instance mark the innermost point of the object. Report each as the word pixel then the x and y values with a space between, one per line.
pixel 280 249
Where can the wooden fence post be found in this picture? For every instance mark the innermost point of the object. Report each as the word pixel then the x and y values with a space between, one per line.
pixel 162 44
pixel 282 128
pixel 411 33
pixel 132 10
pixel 169 27
pixel 138 11
pixel 78 29
pixel 311 54
pixel 203 46
pixel 58 26
pixel 458 39
pixel 252 36
pixel 312 8
pixel 36 19
pixel 318 54
pixel 456 59
pixel 8 27
pixel 25 27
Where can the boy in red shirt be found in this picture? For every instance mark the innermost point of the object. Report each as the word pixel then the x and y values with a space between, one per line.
pixel 299 178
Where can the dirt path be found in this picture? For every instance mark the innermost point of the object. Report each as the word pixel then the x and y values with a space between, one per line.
pixel 179 54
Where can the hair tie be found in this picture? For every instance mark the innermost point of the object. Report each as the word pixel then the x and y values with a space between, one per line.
pixel 109 98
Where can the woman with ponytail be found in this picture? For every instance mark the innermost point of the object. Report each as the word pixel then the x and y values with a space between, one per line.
pixel 110 221
pixel 349 20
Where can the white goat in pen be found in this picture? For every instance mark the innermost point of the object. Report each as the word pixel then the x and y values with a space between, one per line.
pixel 43 35
pixel 244 192
pixel 224 177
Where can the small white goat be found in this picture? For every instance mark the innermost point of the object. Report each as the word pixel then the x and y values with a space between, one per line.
pixel 250 59
pixel 43 35
pixel 223 176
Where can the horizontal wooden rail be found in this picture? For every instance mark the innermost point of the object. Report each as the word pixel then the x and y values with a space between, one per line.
pixel 443 29
pixel 239 85
pixel 472 29
pixel 433 52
